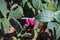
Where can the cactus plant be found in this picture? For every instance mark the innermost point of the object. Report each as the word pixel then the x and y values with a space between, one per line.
pixel 42 10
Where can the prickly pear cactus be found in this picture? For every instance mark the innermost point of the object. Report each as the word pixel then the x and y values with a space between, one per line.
pixel 16 25
pixel 17 13
pixel 5 24
pixel 37 4
pixel 45 16
pixel 41 10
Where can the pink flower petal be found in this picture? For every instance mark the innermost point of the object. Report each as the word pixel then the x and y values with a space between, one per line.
pixel 31 21
pixel 27 22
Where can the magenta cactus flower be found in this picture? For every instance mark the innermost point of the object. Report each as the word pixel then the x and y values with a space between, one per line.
pixel 30 22
pixel 27 22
